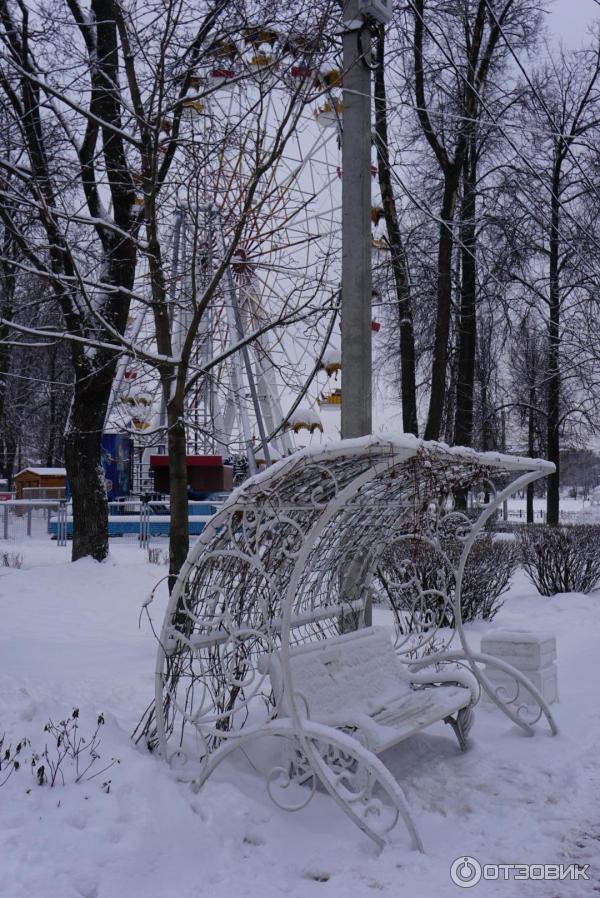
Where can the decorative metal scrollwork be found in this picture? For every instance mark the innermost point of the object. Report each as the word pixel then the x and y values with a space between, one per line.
pixel 299 554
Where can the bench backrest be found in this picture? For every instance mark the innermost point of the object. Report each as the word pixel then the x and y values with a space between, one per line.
pixel 353 671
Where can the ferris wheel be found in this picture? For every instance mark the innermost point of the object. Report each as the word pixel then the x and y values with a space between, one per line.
pixel 282 282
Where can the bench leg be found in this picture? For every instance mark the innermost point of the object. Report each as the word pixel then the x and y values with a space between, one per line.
pixel 461 724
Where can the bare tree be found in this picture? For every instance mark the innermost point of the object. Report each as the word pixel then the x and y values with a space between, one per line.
pixel 474 54
pixel 124 129
pixel 399 261
pixel 561 270
pixel 528 374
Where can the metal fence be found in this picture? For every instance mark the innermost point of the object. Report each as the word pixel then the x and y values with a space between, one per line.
pixel 55 493
pixel 22 518
pixel 520 514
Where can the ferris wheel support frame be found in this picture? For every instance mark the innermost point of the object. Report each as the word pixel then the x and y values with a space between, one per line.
pixel 252 372
pixel 266 382
pixel 241 359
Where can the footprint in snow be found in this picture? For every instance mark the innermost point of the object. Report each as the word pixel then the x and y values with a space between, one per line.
pixel 86 888
pixel 253 839
pixel 78 820
pixel 317 876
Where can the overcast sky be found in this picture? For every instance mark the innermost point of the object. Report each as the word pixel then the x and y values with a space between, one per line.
pixel 570 19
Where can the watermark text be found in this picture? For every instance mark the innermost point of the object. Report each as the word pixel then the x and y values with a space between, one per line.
pixel 466 872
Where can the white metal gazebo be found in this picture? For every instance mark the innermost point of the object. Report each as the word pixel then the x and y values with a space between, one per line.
pixel 268 629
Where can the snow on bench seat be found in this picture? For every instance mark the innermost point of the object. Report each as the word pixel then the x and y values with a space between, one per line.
pixel 356 681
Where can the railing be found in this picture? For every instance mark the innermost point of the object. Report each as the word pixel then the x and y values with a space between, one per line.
pixel 25 517
pixel 144 534
pixel 520 514
pixel 566 516
pixel 61 529
pixel 44 492
pixel 134 520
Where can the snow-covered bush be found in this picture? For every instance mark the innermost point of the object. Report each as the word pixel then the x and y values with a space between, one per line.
pixel 561 559
pixel 489 568
pixel 157 555
pixel 11 559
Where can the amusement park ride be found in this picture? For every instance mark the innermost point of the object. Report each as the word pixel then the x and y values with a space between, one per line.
pixel 282 388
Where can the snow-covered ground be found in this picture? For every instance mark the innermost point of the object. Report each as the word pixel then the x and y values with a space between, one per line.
pixel 69 637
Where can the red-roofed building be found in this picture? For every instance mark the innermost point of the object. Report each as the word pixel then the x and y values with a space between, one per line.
pixel 205 473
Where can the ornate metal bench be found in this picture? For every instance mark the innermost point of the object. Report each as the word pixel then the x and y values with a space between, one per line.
pixel 355 682
pixel 285 570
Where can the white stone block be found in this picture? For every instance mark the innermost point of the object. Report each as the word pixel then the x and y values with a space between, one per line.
pixel 545 681
pixel 524 649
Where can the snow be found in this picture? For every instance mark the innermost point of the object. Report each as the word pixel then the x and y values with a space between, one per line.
pixel 403 446
pixel 45 472
pixel 30 503
pixel 69 637
pixel 331 354
pixel 305 415
pixel 259 455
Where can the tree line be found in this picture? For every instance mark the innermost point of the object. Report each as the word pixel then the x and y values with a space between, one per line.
pixel 486 136
pixel 486 165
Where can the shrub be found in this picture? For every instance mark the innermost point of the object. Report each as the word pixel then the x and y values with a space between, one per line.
pixel 489 568
pixel 68 752
pixel 10 758
pixel 157 556
pixel 561 559
pixel 11 559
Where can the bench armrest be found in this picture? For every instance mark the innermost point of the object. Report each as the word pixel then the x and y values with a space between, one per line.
pixel 455 675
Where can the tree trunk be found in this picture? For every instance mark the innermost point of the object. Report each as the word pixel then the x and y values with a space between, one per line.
pixel 439 367
pixel 553 436
pixel 531 447
pixel 84 470
pixel 486 436
pixel 398 254
pixel 467 319
pixel 447 428
pixel 5 357
pixel 10 455
pixel 7 292
pixel 51 444
pixel 179 541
